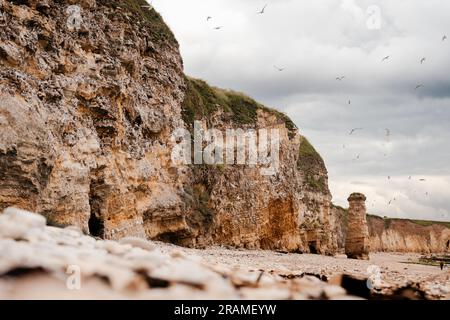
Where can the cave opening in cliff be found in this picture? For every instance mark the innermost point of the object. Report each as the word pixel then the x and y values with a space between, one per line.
pixel 96 226
pixel 313 247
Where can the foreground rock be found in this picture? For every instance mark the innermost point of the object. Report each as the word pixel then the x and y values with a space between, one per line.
pixel 42 262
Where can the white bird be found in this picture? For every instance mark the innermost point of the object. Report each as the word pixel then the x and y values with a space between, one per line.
pixel 423 60
pixel 340 78
pixel 419 86
pixel 278 68
pixel 385 58
pixel 208 18
pixel 349 101
pixel 388 132
pixel 444 38
pixel 262 10
pixel 353 130
pixel 218 28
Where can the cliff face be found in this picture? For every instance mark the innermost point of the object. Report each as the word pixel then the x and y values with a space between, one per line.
pixel 89 98
pixel 397 235
pixel 87 109
pixel 408 235
pixel 237 205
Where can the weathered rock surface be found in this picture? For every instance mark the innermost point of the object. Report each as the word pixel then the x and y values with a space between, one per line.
pixel 396 235
pixel 401 235
pixel 42 262
pixel 357 238
pixel 89 98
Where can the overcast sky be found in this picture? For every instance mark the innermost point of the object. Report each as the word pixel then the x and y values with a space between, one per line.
pixel 317 41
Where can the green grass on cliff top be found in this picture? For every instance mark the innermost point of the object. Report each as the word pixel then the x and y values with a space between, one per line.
pixel 151 18
pixel 424 223
pixel 202 101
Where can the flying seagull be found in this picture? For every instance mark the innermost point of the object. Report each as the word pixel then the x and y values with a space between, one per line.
pixel 353 130
pixel 385 58
pixel 388 132
pixel 409 178
pixel 208 18
pixel 423 60
pixel 444 38
pixel 340 78
pixel 262 10
pixel 349 101
pixel 279 69
pixel 218 28
pixel 422 180
pixel 419 86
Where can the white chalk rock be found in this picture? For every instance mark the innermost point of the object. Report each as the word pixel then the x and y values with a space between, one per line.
pixel 25 218
pixel 138 243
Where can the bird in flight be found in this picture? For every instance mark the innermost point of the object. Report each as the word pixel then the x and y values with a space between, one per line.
pixel 389 177
pixel 340 78
pixel 388 132
pixel 353 131
pixel 423 60
pixel 409 178
pixel 218 28
pixel 349 101
pixel 279 69
pixel 385 58
pixel 422 180
pixel 208 18
pixel 262 10
pixel 444 38
pixel 419 86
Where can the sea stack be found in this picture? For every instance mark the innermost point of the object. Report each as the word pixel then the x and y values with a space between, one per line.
pixel 357 242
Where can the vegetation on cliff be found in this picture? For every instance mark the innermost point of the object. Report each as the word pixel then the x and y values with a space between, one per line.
pixel 311 164
pixel 202 101
pixel 151 18
pixel 423 223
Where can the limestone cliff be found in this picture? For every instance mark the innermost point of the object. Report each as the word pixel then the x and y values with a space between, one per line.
pixel 397 235
pixel 402 235
pixel 89 98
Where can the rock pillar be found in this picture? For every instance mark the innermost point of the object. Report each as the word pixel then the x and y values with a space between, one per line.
pixel 357 242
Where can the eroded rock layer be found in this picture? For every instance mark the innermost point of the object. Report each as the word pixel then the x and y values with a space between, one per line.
pixel 396 235
pixel 89 98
